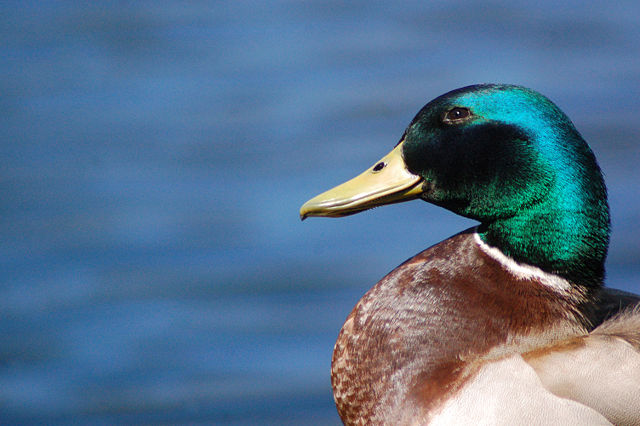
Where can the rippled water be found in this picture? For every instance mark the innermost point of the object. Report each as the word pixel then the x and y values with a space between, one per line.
pixel 155 155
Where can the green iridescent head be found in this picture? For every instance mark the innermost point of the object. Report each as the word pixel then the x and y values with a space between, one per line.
pixel 507 157
pixel 488 152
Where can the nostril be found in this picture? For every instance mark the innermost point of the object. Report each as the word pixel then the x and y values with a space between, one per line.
pixel 379 166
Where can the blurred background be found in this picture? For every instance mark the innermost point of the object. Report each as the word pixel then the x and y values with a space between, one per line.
pixel 155 154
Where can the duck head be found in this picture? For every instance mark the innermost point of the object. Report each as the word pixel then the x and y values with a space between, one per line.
pixel 507 157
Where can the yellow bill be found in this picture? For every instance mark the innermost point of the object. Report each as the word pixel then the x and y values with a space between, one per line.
pixel 386 182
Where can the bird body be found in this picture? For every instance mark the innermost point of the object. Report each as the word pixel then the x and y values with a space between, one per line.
pixel 505 323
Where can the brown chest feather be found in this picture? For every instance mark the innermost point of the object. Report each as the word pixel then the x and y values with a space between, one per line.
pixel 413 339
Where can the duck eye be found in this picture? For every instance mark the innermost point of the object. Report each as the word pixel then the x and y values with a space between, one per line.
pixel 379 166
pixel 456 114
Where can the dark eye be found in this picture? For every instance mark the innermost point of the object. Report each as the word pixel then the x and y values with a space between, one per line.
pixel 456 114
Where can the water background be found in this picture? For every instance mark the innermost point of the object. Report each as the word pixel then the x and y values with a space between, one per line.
pixel 154 155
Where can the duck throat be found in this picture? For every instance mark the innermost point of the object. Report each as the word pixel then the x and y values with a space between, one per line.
pixel 566 235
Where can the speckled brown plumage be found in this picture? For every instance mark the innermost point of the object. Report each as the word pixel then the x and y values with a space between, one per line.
pixel 413 339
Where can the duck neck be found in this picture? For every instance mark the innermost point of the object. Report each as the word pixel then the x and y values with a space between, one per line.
pixel 567 234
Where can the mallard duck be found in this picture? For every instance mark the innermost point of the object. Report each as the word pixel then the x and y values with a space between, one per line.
pixel 505 323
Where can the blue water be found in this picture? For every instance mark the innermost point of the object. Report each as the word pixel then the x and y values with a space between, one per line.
pixel 154 156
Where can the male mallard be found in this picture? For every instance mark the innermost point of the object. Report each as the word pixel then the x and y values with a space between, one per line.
pixel 506 323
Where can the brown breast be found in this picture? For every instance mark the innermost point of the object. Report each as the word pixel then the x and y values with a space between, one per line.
pixel 412 340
